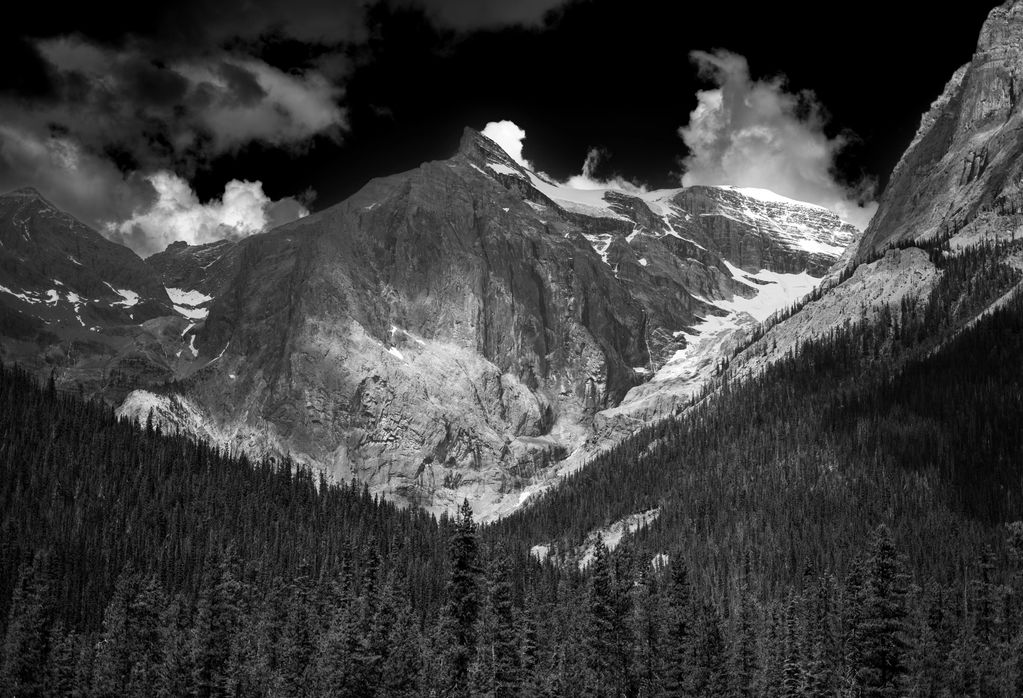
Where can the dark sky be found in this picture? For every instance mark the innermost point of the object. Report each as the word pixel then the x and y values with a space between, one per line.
pixel 397 82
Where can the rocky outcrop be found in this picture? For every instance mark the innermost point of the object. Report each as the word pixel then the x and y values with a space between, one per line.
pixel 962 172
pixel 204 268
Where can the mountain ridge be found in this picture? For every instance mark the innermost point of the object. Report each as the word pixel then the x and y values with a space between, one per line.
pixel 454 330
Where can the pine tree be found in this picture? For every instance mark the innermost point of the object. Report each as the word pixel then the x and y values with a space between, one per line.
pixel 743 659
pixel 680 632
pixel 175 673
pixel 534 674
pixel 646 663
pixel 603 676
pixel 146 611
pixel 793 675
pixel 217 619
pixel 62 663
pixel 710 670
pixel 337 665
pixel 404 663
pixel 298 639
pixel 880 631
pixel 26 641
pixel 506 659
pixel 462 609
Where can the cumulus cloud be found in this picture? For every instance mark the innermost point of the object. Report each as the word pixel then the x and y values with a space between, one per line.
pixel 177 214
pixel 754 133
pixel 509 136
pixel 145 212
pixel 123 121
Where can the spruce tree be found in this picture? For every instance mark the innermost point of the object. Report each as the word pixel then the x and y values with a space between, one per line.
pixel 62 662
pixel 26 641
pixel 680 632
pixel 880 632
pixel 604 677
pixel 505 649
pixel 462 609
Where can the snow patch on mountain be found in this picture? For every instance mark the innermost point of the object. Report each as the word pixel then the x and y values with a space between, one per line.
pixel 900 273
pixel 192 313
pixel 129 298
pixel 768 196
pixel 191 298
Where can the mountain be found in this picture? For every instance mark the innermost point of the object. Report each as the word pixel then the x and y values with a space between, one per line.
pixel 72 301
pixel 468 328
pixel 961 175
pixel 460 329
pixel 889 394
pixel 956 187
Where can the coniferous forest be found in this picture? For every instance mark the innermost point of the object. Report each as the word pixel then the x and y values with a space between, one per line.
pixel 844 524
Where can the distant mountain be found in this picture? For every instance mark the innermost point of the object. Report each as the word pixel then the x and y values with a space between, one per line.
pixel 468 328
pixel 74 302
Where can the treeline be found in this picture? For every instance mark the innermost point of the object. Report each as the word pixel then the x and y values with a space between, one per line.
pixel 837 526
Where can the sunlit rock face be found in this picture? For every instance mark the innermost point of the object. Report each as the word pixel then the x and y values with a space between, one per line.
pixel 962 172
pixel 465 329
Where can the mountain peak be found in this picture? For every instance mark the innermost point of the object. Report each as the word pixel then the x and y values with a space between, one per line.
pixel 482 150
pixel 25 193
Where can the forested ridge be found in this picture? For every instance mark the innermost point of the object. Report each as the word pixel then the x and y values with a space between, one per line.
pixel 840 525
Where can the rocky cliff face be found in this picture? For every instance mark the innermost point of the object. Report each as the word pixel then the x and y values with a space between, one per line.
pixel 463 329
pixel 958 184
pixel 962 173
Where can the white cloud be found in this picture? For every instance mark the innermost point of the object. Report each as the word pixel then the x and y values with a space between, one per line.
pixel 509 136
pixel 753 133
pixel 291 108
pixel 204 105
pixel 589 180
pixel 177 214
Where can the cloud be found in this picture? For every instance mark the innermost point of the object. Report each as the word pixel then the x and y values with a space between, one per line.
pixel 161 110
pixel 753 133
pixel 467 15
pixel 509 136
pixel 589 178
pixel 177 214
pixel 238 101
pixel 337 21
pixel 75 180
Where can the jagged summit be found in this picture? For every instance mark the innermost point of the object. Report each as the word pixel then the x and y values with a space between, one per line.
pixel 478 147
